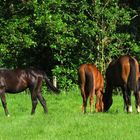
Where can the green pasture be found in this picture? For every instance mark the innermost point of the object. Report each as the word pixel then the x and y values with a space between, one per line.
pixel 65 121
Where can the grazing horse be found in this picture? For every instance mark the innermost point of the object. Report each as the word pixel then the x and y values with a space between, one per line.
pixel 139 83
pixel 91 82
pixel 17 80
pixel 122 72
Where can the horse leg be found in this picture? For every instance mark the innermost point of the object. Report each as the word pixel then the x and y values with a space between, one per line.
pixel 137 99
pixel 124 98
pixel 92 92
pixel 3 100
pixel 84 96
pixel 34 100
pixel 127 99
pixel 129 110
pixel 34 104
pixel 99 102
pixel 39 95
pixel 84 103
pixel 43 102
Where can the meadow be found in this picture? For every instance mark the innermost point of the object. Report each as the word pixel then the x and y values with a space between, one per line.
pixel 65 121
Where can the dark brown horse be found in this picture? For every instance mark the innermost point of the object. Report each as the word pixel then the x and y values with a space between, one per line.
pixel 91 82
pixel 15 81
pixel 122 72
pixel 139 83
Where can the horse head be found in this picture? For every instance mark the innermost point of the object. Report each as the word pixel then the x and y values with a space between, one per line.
pixel 107 101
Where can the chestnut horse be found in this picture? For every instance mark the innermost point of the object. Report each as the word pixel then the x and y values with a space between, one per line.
pixel 91 82
pixel 122 72
pixel 17 80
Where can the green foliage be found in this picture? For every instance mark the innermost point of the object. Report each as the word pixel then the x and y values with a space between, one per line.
pixel 58 36
pixel 64 75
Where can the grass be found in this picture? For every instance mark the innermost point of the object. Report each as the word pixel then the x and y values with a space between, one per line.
pixel 65 121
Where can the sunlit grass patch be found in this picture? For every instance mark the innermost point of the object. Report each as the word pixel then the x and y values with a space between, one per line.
pixel 65 120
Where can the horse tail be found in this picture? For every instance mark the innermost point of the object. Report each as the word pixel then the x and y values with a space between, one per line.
pixel 49 84
pixel 81 77
pixel 89 81
pixel 85 79
pixel 132 75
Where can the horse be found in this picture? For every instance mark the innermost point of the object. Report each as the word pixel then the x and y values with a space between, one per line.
pixel 17 80
pixel 139 83
pixel 122 72
pixel 91 82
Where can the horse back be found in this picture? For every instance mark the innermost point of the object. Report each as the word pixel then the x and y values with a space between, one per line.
pixel 124 70
pixel 90 75
pixel 13 80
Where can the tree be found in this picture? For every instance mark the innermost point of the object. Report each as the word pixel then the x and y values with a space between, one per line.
pixel 57 36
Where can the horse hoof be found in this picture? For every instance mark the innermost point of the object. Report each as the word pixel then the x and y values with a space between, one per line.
pixel 129 109
pixel 32 113
pixel 138 109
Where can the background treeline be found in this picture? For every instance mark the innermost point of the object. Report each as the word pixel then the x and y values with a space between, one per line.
pixel 58 35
